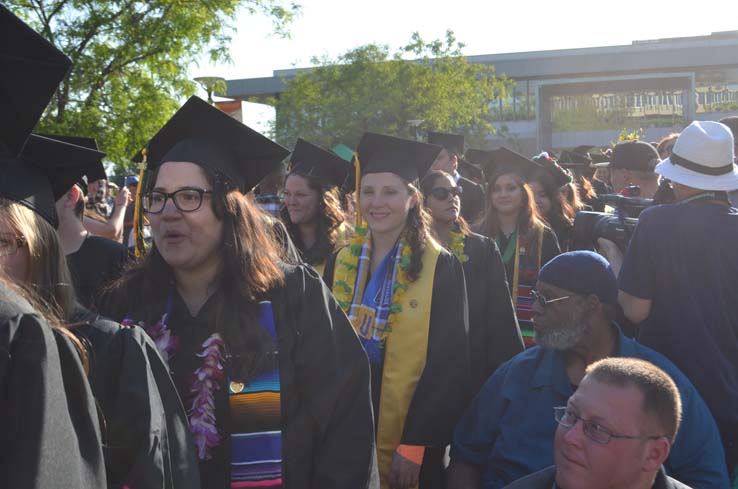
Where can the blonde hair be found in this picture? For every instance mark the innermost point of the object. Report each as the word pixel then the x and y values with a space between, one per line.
pixel 48 278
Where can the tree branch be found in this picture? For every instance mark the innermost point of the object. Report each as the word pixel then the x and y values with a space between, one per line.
pixel 112 68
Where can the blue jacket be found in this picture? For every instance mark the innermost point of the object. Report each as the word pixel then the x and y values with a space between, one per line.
pixel 509 427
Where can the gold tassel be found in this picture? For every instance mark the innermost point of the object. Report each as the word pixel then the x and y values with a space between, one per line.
pixel 139 245
pixel 357 169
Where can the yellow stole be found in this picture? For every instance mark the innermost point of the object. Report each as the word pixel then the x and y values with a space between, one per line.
pixel 405 353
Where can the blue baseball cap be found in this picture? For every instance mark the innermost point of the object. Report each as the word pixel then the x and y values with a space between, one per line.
pixel 582 272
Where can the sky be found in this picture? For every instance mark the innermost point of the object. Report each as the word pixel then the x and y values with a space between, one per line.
pixel 333 27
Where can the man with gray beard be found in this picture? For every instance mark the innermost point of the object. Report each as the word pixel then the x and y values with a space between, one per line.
pixel 508 431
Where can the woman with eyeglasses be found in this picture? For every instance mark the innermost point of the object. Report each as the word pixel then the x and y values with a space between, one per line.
pixel 546 184
pixel 312 207
pixel 513 221
pixel 494 335
pixel 144 428
pixel 406 298
pixel 273 377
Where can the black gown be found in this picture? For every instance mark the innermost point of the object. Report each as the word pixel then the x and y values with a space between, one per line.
pixel 327 427
pixel 146 435
pixel 50 435
pixel 494 335
pixel 443 390
pixel 549 250
pixel 96 263
pixel 472 199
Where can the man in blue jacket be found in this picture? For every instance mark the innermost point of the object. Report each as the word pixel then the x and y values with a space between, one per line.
pixel 508 431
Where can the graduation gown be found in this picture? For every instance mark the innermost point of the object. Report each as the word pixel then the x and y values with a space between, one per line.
pixel 327 428
pixel 494 335
pixel 534 250
pixel 96 263
pixel 50 434
pixel 442 390
pixel 146 435
pixel 472 199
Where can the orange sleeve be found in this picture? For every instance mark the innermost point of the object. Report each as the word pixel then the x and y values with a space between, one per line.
pixel 413 453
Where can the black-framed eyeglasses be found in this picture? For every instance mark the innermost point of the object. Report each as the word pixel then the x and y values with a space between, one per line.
pixel 10 243
pixel 592 430
pixel 185 199
pixel 543 301
pixel 442 193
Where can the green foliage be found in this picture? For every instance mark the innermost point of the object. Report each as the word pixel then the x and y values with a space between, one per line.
pixel 627 135
pixel 130 61
pixel 371 89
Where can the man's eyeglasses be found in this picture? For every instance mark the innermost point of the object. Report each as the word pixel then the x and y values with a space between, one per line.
pixel 185 199
pixel 541 299
pixel 10 243
pixel 592 429
pixel 442 193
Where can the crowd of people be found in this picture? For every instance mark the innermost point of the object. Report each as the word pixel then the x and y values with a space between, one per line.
pixel 410 314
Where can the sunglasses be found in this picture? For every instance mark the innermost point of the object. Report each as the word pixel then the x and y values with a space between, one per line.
pixel 541 299
pixel 442 193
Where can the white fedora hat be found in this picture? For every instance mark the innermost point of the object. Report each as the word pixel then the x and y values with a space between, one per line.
pixel 702 158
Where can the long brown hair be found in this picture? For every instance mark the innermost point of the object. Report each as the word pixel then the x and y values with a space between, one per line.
pixel 426 185
pixel 48 279
pixel 42 308
pixel 528 218
pixel 330 218
pixel 417 231
pixel 251 267
pixel 561 213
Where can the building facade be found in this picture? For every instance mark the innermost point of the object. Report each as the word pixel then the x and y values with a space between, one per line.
pixel 565 98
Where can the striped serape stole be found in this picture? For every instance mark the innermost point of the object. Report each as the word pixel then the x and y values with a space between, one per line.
pixel 524 310
pixel 256 421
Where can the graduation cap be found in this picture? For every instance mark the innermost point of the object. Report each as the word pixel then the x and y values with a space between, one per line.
pixel 94 171
pixel 578 156
pixel 560 175
pixel 506 160
pixel 479 157
pixel 451 142
pixel 470 169
pixel 344 152
pixel 202 134
pixel 600 159
pixel 44 172
pixel 31 70
pixel 408 159
pixel 314 161
pixel 349 185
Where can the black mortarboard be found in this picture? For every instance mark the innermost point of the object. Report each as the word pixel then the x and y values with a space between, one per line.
pixel 452 142
pixel 202 134
pixel 560 175
pixel 470 170
pixel 578 156
pixel 408 159
pixel 44 172
pixel 600 159
pixel 94 171
pixel 314 161
pixel 478 157
pixel 31 71
pixel 506 160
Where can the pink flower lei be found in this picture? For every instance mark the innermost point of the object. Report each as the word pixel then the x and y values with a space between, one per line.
pixel 206 380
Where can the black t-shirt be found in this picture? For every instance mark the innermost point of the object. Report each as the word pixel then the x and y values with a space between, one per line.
pixel 684 258
pixel 97 262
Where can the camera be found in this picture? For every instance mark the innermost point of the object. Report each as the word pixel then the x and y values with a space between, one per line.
pixel 618 227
